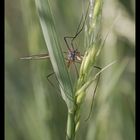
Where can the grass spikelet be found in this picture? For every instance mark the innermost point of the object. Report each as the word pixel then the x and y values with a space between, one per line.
pixel 90 54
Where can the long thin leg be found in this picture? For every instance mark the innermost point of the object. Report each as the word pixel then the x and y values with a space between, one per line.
pixel 70 37
pixel 97 67
pixel 78 32
pixel 94 92
pixel 79 24
pixel 36 57
pixel 73 37
pixel 48 76
pixel 65 39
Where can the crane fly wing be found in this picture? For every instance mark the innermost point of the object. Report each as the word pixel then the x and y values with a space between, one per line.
pixel 36 57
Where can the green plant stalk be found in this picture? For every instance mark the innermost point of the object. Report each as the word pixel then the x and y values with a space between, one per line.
pixel 70 126
pixel 85 70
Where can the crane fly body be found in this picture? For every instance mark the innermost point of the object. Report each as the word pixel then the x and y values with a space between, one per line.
pixel 74 55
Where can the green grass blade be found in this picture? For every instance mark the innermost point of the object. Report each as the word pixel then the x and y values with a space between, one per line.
pixel 54 49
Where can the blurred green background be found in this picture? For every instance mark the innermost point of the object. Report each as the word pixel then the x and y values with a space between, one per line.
pixel 33 108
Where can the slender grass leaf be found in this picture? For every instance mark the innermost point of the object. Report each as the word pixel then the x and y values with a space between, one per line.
pixel 54 49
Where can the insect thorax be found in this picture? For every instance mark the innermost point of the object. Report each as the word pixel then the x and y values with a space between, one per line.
pixel 72 55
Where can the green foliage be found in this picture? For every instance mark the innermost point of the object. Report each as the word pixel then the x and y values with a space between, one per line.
pixel 33 109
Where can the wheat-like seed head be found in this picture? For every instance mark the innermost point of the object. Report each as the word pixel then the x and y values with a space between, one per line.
pixel 89 58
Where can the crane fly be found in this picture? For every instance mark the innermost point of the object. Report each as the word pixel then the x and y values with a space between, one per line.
pixel 72 56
